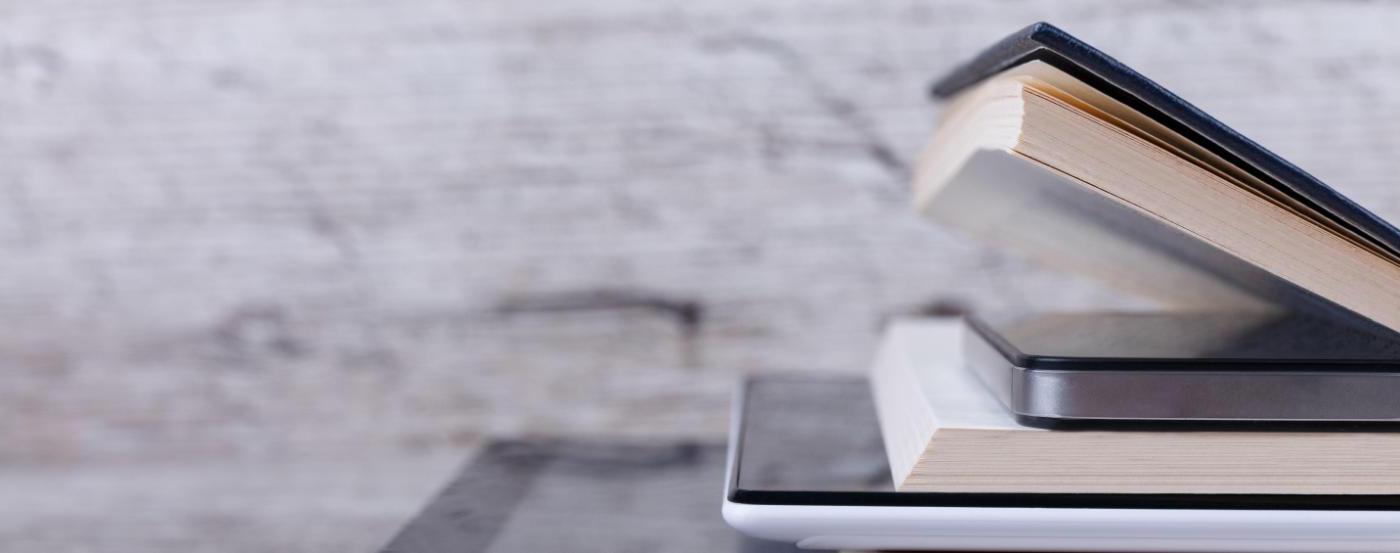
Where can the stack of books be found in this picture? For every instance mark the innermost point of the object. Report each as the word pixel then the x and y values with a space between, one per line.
pixel 1101 172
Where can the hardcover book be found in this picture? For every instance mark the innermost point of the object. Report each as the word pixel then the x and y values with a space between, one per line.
pixel 1051 148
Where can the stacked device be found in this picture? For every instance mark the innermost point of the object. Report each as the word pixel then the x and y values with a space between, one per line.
pixel 1257 410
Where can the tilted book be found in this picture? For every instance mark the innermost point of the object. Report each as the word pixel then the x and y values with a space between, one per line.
pixel 1050 147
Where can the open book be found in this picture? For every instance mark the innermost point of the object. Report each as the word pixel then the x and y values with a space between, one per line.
pixel 1054 149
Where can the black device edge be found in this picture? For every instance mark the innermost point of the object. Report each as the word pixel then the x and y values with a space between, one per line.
pixel 1290 502
pixel 1203 425
pixel 1048 43
pixel 999 355
pixel 1027 361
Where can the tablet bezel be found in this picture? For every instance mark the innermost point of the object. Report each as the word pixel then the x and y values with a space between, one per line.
pixel 1278 502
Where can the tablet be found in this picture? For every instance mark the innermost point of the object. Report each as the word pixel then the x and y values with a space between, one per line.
pixel 807 466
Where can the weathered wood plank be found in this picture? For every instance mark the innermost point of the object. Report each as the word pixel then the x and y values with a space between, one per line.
pixel 242 227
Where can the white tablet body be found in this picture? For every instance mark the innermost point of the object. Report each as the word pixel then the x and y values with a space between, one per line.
pixel 1066 529
pixel 805 463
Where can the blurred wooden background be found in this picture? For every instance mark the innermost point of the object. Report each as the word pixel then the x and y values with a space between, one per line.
pixel 301 257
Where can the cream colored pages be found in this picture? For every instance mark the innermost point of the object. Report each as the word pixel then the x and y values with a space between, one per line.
pixel 1016 204
pixel 1242 229
pixel 1216 211
pixel 1061 85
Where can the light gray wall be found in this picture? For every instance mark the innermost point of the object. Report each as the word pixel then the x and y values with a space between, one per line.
pixel 256 228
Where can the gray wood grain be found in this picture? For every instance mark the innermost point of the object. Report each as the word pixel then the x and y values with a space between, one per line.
pixel 579 496
pixel 307 504
pixel 261 230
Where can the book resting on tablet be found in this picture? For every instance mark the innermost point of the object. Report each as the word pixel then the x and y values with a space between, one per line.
pixel 945 432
